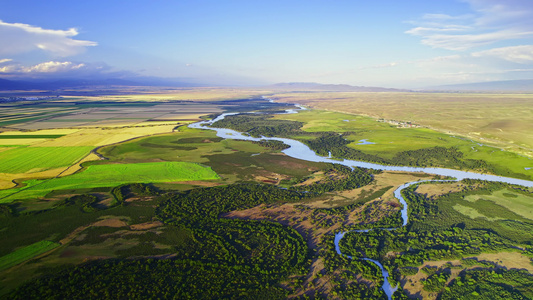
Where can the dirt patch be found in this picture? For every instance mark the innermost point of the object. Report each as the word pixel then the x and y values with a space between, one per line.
pixel 269 177
pixel 147 225
pixel 112 222
pixel 107 221
pixel 316 177
pixel 436 190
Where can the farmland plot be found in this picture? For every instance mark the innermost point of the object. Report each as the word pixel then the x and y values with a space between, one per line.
pixel 112 175
pixel 34 159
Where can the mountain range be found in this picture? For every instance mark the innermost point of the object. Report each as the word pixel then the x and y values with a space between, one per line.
pixel 58 84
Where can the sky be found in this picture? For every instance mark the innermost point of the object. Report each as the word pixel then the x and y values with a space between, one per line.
pixel 388 43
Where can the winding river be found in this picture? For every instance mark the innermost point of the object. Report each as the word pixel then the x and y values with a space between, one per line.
pixel 301 151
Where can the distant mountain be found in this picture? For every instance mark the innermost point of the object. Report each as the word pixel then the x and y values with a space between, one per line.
pixel 79 83
pixel 517 86
pixel 311 86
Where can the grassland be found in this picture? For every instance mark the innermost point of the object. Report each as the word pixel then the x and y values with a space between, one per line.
pixel 389 140
pixel 112 175
pixel 23 254
pixel 504 120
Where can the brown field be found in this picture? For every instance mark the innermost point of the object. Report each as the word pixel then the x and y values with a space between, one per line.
pixel 504 120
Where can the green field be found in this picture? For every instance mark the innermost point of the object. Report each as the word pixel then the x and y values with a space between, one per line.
pixel 23 254
pixel 472 212
pixel 112 175
pixel 21 160
pixel 516 202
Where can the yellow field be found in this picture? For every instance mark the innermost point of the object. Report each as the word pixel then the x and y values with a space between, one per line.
pixel 13 142
pixel 105 136
pixel 43 132
pixel 188 94
pixel 504 120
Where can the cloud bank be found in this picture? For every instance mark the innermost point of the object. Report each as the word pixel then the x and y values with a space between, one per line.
pixel 20 38
pixel 8 68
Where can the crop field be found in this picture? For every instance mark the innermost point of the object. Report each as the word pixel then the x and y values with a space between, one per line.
pixel 504 120
pixel 113 175
pixel 118 115
pixel 104 136
pixel 23 254
pixel 35 159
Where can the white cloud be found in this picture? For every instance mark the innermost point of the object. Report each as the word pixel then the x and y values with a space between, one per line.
pixel 61 68
pixel 517 54
pixel 53 67
pixel 19 38
pixel 492 21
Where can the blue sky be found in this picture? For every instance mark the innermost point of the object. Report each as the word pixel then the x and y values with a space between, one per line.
pixel 392 43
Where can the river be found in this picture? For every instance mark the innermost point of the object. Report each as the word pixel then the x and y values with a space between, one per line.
pixel 301 151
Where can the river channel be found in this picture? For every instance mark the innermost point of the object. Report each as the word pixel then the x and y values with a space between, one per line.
pixel 301 151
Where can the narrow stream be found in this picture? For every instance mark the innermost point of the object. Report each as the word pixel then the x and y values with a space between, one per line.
pixel 301 151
